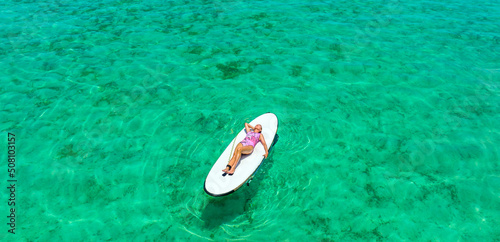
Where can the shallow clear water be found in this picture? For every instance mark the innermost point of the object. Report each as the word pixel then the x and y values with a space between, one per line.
pixel 389 116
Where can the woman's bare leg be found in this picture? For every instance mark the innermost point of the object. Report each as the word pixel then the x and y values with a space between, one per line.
pixel 240 149
pixel 235 154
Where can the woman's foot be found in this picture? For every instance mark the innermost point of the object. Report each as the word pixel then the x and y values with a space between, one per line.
pixel 230 172
pixel 228 167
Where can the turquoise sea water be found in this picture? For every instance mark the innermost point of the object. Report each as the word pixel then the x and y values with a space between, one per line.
pixel 389 116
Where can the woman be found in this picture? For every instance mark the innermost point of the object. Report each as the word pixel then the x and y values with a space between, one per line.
pixel 246 146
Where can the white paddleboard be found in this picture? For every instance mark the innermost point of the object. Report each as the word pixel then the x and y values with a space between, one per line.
pixel 220 184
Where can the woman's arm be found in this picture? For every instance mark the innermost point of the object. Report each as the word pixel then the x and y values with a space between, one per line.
pixel 264 144
pixel 248 127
